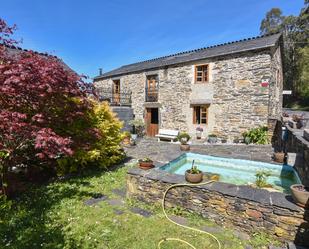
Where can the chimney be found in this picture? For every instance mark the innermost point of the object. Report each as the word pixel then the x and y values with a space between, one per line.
pixel 100 71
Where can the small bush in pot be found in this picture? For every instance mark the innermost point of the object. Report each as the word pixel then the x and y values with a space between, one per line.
pixel 199 131
pixel 194 175
pixel 138 127
pixel 146 163
pixel 184 138
pixel 212 138
pixel 126 138
pixel 300 194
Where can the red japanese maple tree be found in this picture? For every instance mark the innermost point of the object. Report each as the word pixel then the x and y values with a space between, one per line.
pixel 43 108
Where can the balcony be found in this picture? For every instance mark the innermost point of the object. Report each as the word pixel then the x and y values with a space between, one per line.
pixel 151 94
pixel 114 99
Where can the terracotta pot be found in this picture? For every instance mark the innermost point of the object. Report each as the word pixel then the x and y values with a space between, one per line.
pixel 198 134
pixel 279 157
pixel 146 165
pixel 193 178
pixel 184 147
pixel 300 197
pixel 126 140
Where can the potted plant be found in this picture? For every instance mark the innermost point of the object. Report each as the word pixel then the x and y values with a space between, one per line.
pixel 298 119
pixel 300 195
pixel 279 157
pixel 194 175
pixel 212 138
pixel 184 138
pixel 138 126
pixel 199 131
pixel 126 138
pixel 146 163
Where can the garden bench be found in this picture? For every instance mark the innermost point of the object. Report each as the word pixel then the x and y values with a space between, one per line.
pixel 167 134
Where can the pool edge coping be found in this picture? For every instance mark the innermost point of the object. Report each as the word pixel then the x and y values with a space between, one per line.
pixel 262 196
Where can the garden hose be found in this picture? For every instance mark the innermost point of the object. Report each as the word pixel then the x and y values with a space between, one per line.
pixel 187 227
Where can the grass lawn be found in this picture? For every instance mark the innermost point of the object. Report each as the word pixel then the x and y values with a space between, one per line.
pixel 55 216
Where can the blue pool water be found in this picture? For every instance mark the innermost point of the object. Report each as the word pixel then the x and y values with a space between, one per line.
pixel 235 171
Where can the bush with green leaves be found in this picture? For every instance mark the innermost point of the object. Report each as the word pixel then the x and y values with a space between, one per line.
pixel 139 125
pixel 103 151
pixel 183 137
pixel 257 135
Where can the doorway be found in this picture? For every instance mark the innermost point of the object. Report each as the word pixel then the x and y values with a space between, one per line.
pixel 116 92
pixel 152 121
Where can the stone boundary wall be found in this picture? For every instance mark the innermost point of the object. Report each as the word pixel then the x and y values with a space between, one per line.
pixel 242 207
pixel 296 143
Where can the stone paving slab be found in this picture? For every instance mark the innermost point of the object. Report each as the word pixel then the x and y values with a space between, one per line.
pixel 140 211
pixel 120 192
pixel 115 202
pixel 212 229
pixel 95 200
pixel 180 220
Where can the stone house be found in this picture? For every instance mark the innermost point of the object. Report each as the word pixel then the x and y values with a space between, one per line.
pixel 226 89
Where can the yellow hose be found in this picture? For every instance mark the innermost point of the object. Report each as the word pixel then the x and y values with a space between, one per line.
pixel 190 228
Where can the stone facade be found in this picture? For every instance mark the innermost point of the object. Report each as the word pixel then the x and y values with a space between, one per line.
pixel 237 101
pixel 243 207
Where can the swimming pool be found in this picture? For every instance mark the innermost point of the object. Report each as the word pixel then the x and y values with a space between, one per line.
pixel 235 171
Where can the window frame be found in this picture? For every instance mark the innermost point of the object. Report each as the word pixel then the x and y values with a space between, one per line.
pixel 200 114
pixel 203 74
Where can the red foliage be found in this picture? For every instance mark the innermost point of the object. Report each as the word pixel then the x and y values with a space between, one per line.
pixel 39 97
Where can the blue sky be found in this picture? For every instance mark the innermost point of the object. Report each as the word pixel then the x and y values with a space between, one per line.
pixel 91 34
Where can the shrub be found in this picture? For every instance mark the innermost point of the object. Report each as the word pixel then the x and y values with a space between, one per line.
pixel 139 126
pixel 183 137
pixel 257 135
pixel 104 150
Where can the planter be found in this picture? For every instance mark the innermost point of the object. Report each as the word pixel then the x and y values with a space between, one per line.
pixel 300 195
pixel 146 165
pixel 279 157
pixel 212 140
pixel 126 141
pixel 198 134
pixel 193 178
pixel 184 147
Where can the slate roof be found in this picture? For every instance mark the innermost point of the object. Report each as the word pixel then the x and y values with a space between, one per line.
pixel 15 50
pixel 254 43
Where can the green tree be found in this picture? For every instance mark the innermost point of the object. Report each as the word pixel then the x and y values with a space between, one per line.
pixel 295 30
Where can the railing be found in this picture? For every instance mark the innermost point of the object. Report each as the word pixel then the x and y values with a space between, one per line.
pixel 151 95
pixel 122 98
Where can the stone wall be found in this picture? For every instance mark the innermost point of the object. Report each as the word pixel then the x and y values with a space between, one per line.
pixel 243 207
pixel 297 144
pixel 237 100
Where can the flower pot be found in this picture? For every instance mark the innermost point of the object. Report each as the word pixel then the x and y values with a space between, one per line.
pixel 193 178
pixel 198 134
pixel 126 141
pixel 184 147
pixel 279 157
pixel 212 140
pixel 300 195
pixel 146 165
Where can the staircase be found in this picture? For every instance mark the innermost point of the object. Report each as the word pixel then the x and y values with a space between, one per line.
pixel 125 114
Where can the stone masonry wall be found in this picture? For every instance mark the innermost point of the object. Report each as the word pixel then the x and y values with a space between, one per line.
pixel 230 205
pixel 297 144
pixel 237 100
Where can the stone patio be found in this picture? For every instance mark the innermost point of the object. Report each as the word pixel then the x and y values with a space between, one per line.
pixel 163 152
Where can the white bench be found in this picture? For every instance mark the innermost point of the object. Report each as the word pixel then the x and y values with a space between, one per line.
pixel 167 134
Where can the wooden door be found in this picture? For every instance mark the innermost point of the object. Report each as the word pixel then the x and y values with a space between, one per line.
pixel 152 121
pixel 116 92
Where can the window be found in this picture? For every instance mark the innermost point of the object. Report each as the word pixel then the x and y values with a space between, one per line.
pixel 200 114
pixel 201 74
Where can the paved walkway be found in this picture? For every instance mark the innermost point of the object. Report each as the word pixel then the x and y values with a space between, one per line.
pixel 164 152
